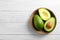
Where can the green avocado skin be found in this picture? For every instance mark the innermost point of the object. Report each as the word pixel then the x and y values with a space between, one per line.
pixel 38 22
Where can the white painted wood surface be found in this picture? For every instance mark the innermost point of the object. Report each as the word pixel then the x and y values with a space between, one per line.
pixel 14 19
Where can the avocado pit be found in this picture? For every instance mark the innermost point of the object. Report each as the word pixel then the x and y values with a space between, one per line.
pixel 49 25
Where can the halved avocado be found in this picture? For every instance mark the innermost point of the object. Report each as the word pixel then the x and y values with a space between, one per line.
pixel 44 13
pixel 50 24
pixel 38 22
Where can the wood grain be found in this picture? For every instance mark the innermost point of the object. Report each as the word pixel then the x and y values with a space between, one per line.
pixel 14 19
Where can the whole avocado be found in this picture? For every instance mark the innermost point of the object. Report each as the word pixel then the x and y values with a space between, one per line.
pixel 38 22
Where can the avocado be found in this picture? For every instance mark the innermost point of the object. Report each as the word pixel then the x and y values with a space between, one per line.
pixel 49 24
pixel 44 13
pixel 38 22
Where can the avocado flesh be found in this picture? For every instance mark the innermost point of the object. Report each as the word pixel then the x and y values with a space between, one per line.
pixel 49 24
pixel 44 13
pixel 38 22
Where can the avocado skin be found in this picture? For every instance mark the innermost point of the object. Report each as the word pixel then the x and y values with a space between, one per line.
pixel 38 22
pixel 48 31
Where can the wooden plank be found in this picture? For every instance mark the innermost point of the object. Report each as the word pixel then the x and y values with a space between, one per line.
pixel 29 37
pixel 21 28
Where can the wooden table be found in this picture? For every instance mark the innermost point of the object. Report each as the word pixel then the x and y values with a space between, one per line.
pixel 14 19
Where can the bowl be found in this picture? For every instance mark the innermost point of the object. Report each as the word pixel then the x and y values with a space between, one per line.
pixel 32 21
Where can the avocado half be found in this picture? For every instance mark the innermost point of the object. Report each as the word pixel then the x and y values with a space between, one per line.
pixel 49 24
pixel 44 13
pixel 38 22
